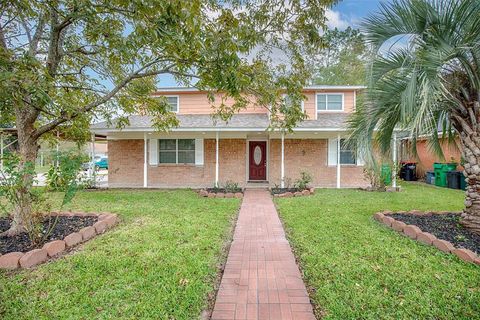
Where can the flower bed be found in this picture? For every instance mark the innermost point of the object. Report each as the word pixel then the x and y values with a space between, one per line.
pixel 291 192
pixel 69 230
pixel 440 229
pixel 221 193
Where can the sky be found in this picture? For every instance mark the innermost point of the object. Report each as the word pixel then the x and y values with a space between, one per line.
pixel 346 13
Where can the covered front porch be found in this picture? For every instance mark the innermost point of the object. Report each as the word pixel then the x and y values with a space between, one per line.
pixel 214 157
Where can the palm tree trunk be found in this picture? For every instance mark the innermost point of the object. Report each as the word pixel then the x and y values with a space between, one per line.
pixel 471 153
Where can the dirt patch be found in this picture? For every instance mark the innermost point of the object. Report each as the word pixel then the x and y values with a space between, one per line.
pixel 64 226
pixel 445 227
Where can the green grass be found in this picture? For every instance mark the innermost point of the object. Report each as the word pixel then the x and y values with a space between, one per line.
pixel 160 262
pixel 360 269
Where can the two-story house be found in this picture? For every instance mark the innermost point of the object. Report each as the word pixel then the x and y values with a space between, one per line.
pixel 201 152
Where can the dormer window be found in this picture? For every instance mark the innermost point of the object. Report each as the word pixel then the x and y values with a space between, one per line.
pixel 332 102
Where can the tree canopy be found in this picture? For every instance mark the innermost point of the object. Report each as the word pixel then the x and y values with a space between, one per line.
pixel 344 59
pixel 71 61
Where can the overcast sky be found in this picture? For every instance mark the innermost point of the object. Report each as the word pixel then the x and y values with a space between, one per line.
pixel 345 13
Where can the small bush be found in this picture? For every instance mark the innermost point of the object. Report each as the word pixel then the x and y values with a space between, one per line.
pixel 302 183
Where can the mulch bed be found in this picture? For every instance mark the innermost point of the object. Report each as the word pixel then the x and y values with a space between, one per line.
pixel 223 190
pixel 65 225
pixel 443 226
pixel 284 190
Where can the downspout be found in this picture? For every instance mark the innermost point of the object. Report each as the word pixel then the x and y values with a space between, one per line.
pixel 216 159
pixel 394 156
pixel 145 160
pixel 282 172
pixel 338 161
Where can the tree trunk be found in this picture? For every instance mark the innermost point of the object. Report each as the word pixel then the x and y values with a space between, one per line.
pixel 471 153
pixel 22 219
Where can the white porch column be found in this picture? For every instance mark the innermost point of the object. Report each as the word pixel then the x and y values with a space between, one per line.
pixel 282 172
pixel 93 174
pixel 145 163
pixel 394 156
pixel 338 161
pixel 1 152
pixel 216 159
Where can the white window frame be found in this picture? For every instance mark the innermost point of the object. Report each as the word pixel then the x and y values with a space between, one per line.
pixel 326 101
pixel 354 152
pixel 172 96
pixel 302 104
pixel 176 152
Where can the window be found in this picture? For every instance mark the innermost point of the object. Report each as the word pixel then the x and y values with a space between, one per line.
pixel 173 103
pixel 347 153
pixel 329 102
pixel 177 151
pixel 287 100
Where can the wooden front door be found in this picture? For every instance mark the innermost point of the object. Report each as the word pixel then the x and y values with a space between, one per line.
pixel 257 160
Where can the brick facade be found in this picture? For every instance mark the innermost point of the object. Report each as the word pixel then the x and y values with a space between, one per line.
pixel 311 155
pixel 126 165
pixel 426 157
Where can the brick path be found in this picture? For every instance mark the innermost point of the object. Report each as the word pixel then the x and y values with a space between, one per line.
pixel 261 279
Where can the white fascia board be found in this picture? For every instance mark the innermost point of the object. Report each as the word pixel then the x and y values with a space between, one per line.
pixel 319 87
pixel 105 131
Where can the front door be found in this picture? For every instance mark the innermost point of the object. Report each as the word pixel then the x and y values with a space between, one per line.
pixel 257 160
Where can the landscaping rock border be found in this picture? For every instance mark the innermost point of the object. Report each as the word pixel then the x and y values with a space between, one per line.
pixel 303 193
pixel 204 193
pixel 17 260
pixel 415 233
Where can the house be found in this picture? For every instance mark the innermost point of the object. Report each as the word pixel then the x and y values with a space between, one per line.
pixel 202 152
pixel 425 157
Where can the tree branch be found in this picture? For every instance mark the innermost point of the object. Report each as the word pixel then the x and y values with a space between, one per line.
pixel 140 73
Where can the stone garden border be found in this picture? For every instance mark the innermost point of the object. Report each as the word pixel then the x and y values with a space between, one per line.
pixel 303 193
pixel 415 233
pixel 23 260
pixel 204 193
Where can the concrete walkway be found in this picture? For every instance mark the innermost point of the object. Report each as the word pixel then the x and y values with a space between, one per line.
pixel 261 279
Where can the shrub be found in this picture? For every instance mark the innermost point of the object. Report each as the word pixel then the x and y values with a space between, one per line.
pixel 305 179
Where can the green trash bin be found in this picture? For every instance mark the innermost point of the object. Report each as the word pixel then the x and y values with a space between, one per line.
pixel 446 167
pixel 386 174
pixel 437 169
pixel 463 183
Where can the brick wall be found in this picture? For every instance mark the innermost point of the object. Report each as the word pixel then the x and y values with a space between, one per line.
pixel 125 161
pixel 426 157
pixel 126 165
pixel 311 155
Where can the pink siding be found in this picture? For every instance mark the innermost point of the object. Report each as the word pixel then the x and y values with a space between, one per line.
pixel 198 103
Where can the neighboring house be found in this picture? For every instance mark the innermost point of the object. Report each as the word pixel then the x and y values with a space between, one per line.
pixel 202 152
pixel 425 157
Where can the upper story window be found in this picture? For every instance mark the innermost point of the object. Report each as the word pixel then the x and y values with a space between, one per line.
pixel 288 101
pixel 173 102
pixel 176 151
pixel 329 102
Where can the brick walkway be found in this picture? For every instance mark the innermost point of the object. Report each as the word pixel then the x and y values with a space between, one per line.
pixel 261 279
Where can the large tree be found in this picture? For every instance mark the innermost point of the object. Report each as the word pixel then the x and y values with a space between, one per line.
pixel 344 59
pixel 429 79
pixel 62 63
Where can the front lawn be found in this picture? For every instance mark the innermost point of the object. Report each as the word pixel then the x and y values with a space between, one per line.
pixel 158 263
pixel 359 269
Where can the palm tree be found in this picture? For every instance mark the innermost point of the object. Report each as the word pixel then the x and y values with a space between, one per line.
pixel 431 81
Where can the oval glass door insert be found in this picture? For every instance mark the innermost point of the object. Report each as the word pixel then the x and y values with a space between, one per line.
pixel 257 155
